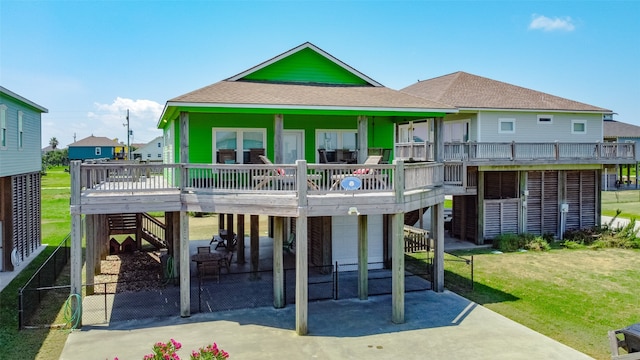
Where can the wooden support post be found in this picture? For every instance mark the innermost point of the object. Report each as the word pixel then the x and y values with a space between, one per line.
pixel 229 227
pixel 363 138
pixel 220 222
pixel 397 268
pixel 437 228
pixel 326 240
pixel 177 247
pixel 240 246
pixel 139 231
pixel 185 276
pixel 480 209
pixel 302 270
pixel 363 258
pixel 254 250
pixel 91 249
pixel 302 280
pixel 278 138
pixel 278 267
pixel 438 130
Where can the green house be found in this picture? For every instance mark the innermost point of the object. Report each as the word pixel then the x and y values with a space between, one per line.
pixel 290 106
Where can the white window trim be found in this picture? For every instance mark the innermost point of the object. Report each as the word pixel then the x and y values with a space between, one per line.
pixel 573 122
pixel 239 138
pixel 543 116
pixel 98 151
pixel 3 126
pixel 506 120
pixel 20 132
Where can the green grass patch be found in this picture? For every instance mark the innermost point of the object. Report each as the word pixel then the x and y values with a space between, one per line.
pixel 573 296
pixel 628 201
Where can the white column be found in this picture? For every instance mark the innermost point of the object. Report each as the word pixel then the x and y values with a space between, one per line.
pixel 302 276
pixel 278 139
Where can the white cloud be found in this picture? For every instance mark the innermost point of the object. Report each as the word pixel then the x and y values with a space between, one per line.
pixel 541 22
pixel 110 120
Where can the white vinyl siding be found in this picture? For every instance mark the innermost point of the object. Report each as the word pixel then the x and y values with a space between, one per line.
pixel 27 158
pixel 529 130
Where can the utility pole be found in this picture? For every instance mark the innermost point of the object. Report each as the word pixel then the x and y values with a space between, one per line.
pixel 128 134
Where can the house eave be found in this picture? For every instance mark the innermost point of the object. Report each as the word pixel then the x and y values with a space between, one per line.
pixel 478 109
pixel 172 108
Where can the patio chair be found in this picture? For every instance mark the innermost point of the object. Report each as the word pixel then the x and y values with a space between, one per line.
pixel 322 155
pixel 226 156
pixel 225 262
pixel 289 244
pixel 277 175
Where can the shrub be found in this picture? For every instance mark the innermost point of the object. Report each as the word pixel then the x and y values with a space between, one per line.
pixel 512 242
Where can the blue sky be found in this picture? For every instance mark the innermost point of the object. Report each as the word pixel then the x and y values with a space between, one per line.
pixel 90 61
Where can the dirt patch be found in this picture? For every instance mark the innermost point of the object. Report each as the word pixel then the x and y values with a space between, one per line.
pixel 136 271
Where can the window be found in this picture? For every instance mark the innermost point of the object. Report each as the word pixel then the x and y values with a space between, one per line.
pixel 148 155
pixel 3 126
pixel 506 126
pixel 98 150
pixel 545 119
pixel 160 155
pixel 20 133
pixel 578 126
pixel 159 144
pixel 243 139
pixel 336 139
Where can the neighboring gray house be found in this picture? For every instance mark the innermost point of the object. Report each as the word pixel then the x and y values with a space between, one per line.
pixel 617 131
pixel 20 165
pixel 517 160
pixel 152 151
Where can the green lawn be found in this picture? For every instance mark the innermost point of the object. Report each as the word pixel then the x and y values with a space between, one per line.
pixel 628 201
pixel 573 296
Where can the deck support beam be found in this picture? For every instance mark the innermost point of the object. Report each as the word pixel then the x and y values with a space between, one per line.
pixel 302 270
pixel 480 209
pixel 185 278
pixel 397 268
pixel 254 249
pixel 363 258
pixel 240 246
pixel 91 249
pixel 437 229
pixel 76 238
pixel 278 266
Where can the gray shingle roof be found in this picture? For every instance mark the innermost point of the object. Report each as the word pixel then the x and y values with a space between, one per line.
pixel 95 141
pixel 294 95
pixel 465 90
pixel 616 129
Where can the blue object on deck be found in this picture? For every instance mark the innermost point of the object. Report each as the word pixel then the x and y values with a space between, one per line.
pixel 351 183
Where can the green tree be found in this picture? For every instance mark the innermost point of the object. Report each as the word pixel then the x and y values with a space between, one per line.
pixel 53 142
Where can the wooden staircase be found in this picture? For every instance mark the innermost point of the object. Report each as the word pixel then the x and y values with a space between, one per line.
pixel 412 217
pixel 143 225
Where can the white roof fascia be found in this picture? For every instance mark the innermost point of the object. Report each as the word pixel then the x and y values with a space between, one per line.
pixel 301 47
pixel 305 107
pixel 464 109
pixel 24 100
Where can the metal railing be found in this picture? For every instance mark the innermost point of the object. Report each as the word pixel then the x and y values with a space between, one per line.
pixel 485 151
pixel 248 178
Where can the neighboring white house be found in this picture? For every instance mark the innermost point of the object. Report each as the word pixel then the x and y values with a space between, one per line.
pixel 21 159
pixel 152 151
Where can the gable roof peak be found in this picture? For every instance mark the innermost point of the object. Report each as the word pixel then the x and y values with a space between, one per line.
pixel 247 74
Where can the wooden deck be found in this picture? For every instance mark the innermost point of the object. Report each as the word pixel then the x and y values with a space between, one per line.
pixel 277 190
pixel 516 153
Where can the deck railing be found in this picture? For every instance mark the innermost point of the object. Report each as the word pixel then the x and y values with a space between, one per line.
pixel 486 151
pixel 251 178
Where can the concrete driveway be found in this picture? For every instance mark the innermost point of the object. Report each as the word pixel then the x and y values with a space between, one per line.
pixel 438 326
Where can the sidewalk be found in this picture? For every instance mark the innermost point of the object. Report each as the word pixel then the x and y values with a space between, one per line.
pixel 7 276
pixel 438 326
